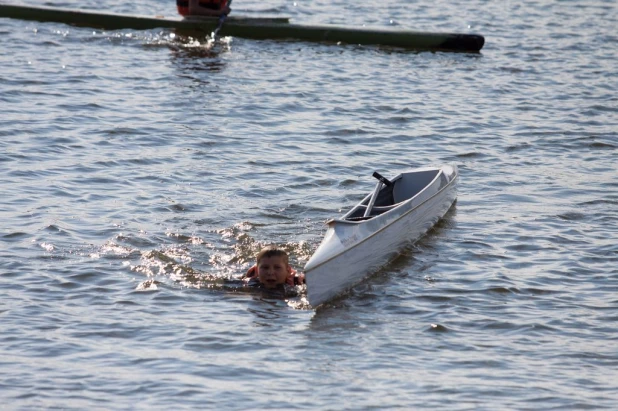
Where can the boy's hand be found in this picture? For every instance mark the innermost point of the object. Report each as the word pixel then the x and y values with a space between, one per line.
pixel 252 272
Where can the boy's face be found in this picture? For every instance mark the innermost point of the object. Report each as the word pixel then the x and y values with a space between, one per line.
pixel 273 271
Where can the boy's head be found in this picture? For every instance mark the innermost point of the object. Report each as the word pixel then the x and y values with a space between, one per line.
pixel 273 267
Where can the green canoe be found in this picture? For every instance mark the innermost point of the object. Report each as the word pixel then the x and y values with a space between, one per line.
pixel 253 28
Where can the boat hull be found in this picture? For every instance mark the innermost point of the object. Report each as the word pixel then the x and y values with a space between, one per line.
pixel 253 28
pixel 351 250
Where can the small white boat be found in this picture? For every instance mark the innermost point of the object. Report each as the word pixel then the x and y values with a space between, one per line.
pixel 371 234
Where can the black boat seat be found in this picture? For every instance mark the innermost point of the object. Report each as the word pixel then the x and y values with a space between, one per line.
pixel 382 209
pixel 375 211
pixel 379 209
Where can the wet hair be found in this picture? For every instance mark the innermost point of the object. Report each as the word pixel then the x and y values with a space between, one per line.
pixel 272 251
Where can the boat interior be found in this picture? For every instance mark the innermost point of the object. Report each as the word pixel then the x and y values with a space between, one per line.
pixel 404 187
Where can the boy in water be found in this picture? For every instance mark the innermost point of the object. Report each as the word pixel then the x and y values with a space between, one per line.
pixel 214 8
pixel 272 270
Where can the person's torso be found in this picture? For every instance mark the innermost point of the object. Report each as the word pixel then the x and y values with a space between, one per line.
pixel 183 5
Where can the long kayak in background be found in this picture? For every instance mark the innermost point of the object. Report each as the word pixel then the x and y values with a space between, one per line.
pixel 266 28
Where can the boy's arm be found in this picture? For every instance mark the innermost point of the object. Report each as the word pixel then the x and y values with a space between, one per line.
pixel 299 278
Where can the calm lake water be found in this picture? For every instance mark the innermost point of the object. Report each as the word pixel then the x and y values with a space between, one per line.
pixel 141 169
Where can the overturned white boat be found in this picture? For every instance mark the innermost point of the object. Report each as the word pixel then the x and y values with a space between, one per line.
pixel 372 233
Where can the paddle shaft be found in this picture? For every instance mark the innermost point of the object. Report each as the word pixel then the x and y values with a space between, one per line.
pixel 222 18
pixel 373 199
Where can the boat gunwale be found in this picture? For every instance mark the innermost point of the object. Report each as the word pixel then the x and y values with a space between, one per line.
pixel 452 181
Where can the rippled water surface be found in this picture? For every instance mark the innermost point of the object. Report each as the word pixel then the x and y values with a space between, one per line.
pixel 142 170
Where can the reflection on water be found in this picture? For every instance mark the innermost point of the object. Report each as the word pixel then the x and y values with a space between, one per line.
pixel 190 50
pixel 195 51
pixel 215 262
